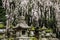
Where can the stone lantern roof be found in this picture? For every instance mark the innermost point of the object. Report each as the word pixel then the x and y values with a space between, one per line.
pixel 22 23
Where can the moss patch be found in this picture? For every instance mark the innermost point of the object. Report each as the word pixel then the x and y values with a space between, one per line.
pixel 49 30
pixel 1 36
pixel 11 26
pixel 33 38
pixel 2 26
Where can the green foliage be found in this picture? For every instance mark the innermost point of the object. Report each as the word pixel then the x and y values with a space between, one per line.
pixel 0 2
pixel 2 13
pixel 50 22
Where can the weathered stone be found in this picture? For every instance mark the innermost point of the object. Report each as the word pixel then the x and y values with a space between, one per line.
pixel 48 34
pixel 44 39
pixel 54 39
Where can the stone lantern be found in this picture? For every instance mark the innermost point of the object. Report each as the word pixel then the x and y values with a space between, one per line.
pixel 21 28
